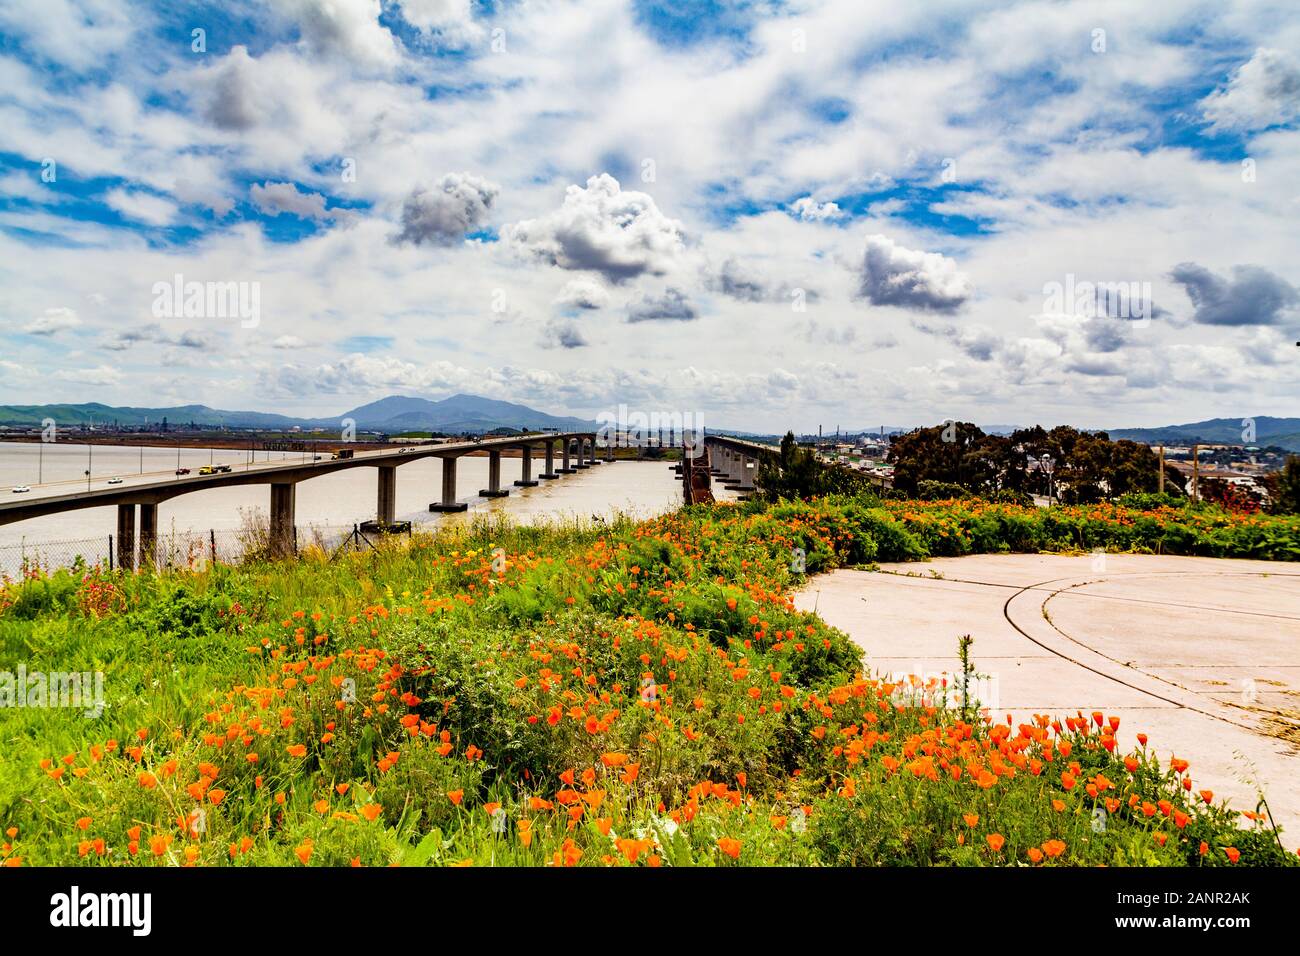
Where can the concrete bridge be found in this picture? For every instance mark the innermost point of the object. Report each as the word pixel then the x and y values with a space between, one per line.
pixel 576 451
pixel 736 460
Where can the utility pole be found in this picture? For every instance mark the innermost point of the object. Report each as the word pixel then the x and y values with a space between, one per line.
pixel 1196 472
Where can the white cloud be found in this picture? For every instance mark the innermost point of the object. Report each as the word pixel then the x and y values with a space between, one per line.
pixel 347 28
pixel 583 294
pixel 442 216
pixel 276 198
pixel 620 234
pixel 911 279
pixel 142 207
pixel 810 210
pixel 52 322
pixel 1264 91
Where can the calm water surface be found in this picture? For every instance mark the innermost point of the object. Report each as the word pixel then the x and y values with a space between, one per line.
pixel 334 501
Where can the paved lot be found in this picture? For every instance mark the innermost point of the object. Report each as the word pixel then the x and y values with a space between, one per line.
pixel 1201 654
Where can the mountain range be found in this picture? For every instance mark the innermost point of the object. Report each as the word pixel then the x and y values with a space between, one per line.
pixel 1283 432
pixel 471 414
pixel 459 414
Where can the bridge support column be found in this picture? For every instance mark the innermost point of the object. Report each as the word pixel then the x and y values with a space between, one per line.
pixel 448 502
pixel 148 535
pixel 282 543
pixel 386 510
pixel 747 473
pixel 719 461
pixel 592 458
pixel 126 537
pixel 580 448
pixel 549 473
pixel 566 468
pixel 526 468
pixel 494 489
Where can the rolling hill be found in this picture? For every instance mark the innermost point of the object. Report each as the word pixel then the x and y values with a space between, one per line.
pixel 459 414
pixel 1283 432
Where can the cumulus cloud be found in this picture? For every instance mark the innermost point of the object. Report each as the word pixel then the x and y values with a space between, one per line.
pixel 744 284
pixel 1262 92
pixel 141 206
pixel 193 194
pixel 345 28
pixel 603 228
pixel 128 337
pixel 451 19
pixel 810 210
pixel 458 204
pixel 734 281
pixel 288 342
pixel 52 322
pixel 563 334
pixel 232 92
pixel 669 306
pixel 582 294
pixel 976 341
pixel 911 279
pixel 274 199
pixel 1253 296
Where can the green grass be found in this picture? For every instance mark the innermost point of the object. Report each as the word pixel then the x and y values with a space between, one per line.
pixel 629 691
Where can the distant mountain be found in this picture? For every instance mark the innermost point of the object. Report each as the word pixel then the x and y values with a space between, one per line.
pixel 93 413
pixel 460 414
pixel 1283 432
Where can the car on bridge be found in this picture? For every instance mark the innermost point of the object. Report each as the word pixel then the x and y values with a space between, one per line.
pixel 208 470
pixel 182 471
pixel 115 481
pixel 21 490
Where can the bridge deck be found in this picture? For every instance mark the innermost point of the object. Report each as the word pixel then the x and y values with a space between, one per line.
pixel 261 474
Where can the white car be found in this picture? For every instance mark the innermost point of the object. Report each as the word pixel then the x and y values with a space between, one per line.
pixel 115 481
pixel 22 490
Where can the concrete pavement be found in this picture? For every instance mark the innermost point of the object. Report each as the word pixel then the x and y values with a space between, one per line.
pixel 1201 654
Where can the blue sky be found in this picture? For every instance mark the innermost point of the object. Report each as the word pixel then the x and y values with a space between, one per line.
pixel 771 214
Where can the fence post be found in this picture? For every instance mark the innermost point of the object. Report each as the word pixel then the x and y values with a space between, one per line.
pixel 212 541
pixel 110 552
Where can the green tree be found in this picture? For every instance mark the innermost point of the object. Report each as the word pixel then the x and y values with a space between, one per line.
pixel 1284 488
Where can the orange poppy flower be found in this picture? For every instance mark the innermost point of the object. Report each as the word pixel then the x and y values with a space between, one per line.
pixel 729 846
pixel 996 841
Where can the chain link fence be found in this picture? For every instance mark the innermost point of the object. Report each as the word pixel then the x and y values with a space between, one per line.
pixel 189 549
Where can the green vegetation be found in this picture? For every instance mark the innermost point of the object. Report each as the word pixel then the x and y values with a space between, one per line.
pixel 631 693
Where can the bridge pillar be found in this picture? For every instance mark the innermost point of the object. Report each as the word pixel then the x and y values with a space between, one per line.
pixel 126 537
pixel 448 502
pixel 566 468
pixel 549 473
pixel 592 458
pixel 282 542
pixel 526 468
pixel 386 511
pixel 580 448
pixel 747 473
pixel 494 489
pixel 148 535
